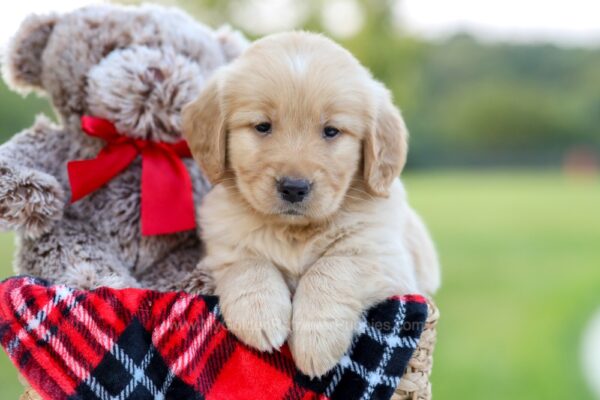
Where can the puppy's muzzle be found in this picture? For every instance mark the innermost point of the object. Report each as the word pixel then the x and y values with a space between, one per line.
pixel 293 190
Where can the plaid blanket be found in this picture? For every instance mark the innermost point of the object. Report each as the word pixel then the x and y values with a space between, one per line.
pixel 141 344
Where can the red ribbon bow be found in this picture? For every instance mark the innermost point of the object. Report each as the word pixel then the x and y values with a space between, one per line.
pixel 167 194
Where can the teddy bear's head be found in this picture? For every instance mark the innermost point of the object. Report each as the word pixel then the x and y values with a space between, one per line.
pixel 135 66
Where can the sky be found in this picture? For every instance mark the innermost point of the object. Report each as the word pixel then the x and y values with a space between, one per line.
pixel 573 22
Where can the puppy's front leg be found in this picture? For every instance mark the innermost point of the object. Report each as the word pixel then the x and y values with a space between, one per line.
pixel 327 306
pixel 255 302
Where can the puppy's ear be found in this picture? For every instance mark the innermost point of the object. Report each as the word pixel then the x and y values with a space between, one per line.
pixel 23 61
pixel 385 146
pixel 205 131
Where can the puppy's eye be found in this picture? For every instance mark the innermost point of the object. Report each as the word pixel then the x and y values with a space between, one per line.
pixel 263 128
pixel 329 132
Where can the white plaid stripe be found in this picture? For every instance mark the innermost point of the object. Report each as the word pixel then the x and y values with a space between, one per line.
pixel 97 388
pixel 391 340
pixel 183 361
pixel 168 381
pixel 176 311
pixel 87 321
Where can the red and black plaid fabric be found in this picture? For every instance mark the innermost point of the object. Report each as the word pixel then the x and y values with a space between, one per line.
pixel 110 344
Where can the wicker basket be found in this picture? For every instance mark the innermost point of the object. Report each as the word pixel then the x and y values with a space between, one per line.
pixel 414 385
pixel 29 394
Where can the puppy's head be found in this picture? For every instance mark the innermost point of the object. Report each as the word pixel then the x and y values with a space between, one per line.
pixel 294 123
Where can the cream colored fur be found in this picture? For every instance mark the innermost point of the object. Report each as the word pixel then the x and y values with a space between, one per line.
pixel 305 272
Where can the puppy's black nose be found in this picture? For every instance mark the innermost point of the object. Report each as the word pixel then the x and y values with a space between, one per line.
pixel 293 190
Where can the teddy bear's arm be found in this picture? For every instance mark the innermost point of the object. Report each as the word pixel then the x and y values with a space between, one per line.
pixel 31 197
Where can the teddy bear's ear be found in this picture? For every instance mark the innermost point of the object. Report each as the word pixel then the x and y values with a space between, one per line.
pixel 233 42
pixel 23 57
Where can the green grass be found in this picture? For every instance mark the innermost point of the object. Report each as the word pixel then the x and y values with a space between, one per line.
pixel 521 262
pixel 521 257
pixel 11 388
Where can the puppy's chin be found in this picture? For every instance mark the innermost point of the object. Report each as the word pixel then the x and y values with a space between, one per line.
pixel 303 215
pixel 282 213
pixel 292 218
pixel 290 214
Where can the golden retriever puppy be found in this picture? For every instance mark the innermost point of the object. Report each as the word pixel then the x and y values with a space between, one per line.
pixel 307 225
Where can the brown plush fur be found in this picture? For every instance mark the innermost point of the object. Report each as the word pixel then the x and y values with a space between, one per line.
pixel 304 269
pixel 136 66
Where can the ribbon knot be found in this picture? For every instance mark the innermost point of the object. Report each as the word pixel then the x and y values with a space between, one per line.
pixel 167 201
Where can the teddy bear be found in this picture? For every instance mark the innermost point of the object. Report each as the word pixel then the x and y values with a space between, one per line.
pixel 106 196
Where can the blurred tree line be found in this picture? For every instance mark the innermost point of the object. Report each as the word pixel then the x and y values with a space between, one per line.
pixel 465 102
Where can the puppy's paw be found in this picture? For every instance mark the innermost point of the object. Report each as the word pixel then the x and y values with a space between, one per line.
pixel 260 320
pixel 319 340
